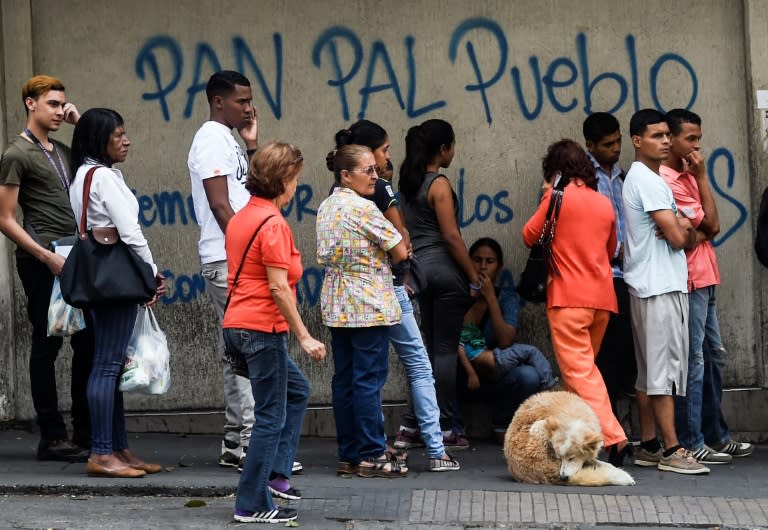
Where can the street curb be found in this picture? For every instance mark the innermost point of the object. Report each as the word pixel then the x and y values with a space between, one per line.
pixel 113 490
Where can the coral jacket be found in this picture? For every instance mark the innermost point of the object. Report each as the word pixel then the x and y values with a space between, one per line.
pixel 585 241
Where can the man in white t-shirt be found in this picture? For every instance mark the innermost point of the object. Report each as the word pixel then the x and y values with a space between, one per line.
pixel 656 272
pixel 218 168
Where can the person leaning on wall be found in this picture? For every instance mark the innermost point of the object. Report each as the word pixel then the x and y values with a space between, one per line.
pixel 218 168
pixel 35 175
pixel 495 367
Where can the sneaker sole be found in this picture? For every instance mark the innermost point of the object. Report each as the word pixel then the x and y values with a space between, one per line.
pixel 646 463
pixel 682 471
pixel 283 495
pixel 245 519
pixel 407 445
pixel 714 463
pixel 443 469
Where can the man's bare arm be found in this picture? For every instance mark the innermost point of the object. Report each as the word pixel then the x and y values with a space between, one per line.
pixel 217 193
pixel 678 232
pixel 9 201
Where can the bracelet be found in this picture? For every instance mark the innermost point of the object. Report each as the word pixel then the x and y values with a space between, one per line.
pixel 475 286
pixel 251 152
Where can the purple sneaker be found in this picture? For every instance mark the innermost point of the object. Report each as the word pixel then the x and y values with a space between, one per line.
pixel 407 439
pixel 280 487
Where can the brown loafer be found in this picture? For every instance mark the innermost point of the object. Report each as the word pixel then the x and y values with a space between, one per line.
pixel 95 470
pixel 148 468
pixel 345 468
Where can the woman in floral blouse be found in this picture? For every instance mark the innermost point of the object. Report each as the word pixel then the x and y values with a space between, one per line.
pixel 358 304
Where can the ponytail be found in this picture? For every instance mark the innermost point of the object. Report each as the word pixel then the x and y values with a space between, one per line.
pixel 422 145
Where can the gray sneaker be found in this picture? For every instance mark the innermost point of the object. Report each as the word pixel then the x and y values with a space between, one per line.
pixel 682 461
pixel 735 449
pixel 646 458
pixel 707 455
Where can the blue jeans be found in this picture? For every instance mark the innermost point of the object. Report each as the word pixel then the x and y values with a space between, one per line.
pixel 359 373
pixel 112 329
pixel 280 393
pixel 406 338
pixel 713 424
pixel 705 344
pixel 504 394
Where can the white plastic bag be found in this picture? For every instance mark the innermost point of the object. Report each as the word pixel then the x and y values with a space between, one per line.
pixel 63 319
pixel 147 369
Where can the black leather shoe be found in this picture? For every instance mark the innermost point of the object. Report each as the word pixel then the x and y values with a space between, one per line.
pixel 61 450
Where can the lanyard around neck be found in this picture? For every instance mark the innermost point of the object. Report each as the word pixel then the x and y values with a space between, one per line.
pixel 61 171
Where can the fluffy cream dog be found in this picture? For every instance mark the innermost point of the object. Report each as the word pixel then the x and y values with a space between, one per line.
pixel 554 438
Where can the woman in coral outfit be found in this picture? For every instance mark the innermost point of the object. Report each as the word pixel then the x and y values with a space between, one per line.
pixel 580 295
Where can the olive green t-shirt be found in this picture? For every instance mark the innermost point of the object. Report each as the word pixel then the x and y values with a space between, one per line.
pixel 42 197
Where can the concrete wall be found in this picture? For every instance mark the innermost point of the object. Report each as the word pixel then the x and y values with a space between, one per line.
pixel 511 76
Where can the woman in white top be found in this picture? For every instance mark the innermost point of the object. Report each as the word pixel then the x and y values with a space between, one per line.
pixel 99 140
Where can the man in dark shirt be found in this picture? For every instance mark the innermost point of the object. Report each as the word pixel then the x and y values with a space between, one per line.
pixel 35 175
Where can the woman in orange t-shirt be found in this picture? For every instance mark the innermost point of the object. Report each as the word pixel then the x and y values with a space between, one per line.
pixel 260 311
pixel 580 295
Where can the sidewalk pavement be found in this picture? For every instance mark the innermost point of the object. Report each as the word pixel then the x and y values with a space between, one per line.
pixel 481 495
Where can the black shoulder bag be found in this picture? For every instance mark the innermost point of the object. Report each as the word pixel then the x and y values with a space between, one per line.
pixel 101 268
pixel 533 280
pixel 233 356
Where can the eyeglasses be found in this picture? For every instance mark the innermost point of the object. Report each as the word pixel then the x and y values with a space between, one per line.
pixel 370 170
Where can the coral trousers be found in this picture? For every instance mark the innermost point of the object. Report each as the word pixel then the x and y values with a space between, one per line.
pixel 576 336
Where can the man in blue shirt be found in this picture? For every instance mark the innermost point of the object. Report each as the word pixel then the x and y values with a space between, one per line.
pixel 616 359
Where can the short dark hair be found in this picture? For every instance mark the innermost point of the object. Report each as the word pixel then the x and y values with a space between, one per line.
pixel 92 134
pixel 223 83
pixel 599 125
pixel 490 243
pixel 677 117
pixel 271 167
pixel 642 119
pixel 570 160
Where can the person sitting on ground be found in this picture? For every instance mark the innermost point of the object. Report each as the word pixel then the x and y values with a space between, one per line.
pixel 504 372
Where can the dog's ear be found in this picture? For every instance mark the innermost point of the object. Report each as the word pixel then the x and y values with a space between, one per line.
pixel 540 429
pixel 594 441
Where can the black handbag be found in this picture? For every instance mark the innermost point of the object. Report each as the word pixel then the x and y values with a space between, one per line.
pixel 233 356
pixel 533 280
pixel 101 268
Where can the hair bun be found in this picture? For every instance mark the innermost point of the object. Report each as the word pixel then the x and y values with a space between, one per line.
pixel 329 160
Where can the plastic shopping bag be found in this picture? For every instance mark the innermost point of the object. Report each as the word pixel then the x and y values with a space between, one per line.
pixel 147 369
pixel 63 319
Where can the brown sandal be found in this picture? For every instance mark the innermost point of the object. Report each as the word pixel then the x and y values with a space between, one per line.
pixel 383 467
pixel 345 468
